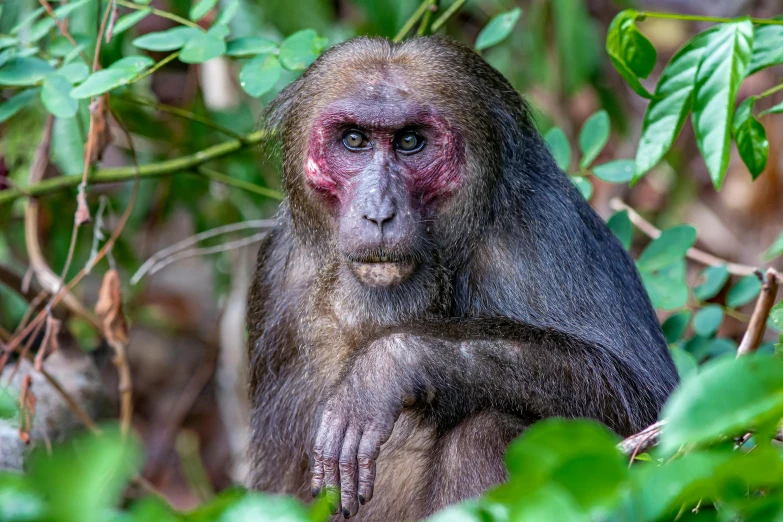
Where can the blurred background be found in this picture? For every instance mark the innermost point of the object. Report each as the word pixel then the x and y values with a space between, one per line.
pixel 186 346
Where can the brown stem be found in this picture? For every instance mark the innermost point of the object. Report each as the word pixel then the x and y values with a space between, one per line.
pixel 758 321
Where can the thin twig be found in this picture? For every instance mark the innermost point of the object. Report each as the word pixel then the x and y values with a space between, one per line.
pixel 758 321
pixel 155 67
pixel 698 18
pixel 162 168
pixel 446 16
pixel 63 28
pixel 693 253
pixel 192 240
pixel 238 183
pixel 161 13
pixel 415 17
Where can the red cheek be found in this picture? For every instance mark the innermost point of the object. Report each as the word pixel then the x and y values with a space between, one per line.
pixel 316 171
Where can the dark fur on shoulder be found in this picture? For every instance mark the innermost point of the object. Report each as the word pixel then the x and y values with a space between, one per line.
pixel 516 263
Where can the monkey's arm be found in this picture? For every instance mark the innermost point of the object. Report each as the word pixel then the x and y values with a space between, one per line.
pixel 451 371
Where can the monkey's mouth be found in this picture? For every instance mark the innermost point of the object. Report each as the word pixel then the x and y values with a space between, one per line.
pixel 379 270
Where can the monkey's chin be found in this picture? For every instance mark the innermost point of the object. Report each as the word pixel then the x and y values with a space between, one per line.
pixel 382 274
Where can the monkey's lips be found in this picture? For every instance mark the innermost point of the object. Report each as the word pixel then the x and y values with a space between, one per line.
pixel 379 271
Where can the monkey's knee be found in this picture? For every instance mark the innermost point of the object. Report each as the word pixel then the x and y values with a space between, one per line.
pixel 470 457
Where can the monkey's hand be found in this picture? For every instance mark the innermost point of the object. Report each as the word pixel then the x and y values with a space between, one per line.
pixel 357 418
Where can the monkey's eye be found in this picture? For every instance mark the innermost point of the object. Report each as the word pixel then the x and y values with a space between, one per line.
pixel 409 141
pixel 355 140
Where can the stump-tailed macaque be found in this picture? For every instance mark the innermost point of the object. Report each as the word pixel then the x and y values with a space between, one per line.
pixel 434 285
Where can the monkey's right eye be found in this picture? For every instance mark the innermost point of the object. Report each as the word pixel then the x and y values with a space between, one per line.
pixel 355 140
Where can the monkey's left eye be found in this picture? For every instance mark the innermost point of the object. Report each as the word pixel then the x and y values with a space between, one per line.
pixel 355 140
pixel 409 142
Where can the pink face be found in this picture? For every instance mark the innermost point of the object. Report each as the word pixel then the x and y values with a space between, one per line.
pixel 412 144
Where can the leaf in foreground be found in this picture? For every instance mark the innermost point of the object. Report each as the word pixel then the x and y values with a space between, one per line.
pixel 631 53
pixel 558 146
pixel 301 49
pixel 751 138
pixel 593 137
pixel 728 397
pixel 260 75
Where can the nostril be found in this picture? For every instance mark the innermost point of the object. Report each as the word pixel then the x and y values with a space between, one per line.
pixel 380 220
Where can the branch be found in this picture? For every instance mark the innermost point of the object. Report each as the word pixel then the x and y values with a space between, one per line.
pixel 152 170
pixel 693 253
pixel 161 13
pixel 447 14
pixel 415 17
pixel 758 321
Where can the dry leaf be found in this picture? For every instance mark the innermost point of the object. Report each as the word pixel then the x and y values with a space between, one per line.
pixel 27 402
pixel 109 309
pixel 101 134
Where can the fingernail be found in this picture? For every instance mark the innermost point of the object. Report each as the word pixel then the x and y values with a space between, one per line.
pixel 361 499
pixel 346 513
pixel 315 492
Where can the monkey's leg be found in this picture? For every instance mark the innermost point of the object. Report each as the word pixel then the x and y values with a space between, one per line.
pixel 468 459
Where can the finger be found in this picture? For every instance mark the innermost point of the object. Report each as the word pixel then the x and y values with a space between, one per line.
pixel 367 454
pixel 318 461
pixel 348 472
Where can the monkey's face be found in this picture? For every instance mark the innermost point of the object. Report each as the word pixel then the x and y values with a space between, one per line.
pixel 383 163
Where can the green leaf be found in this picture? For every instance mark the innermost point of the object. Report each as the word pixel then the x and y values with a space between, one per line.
pixel 631 53
pixel 301 49
pixel 593 137
pixel 776 315
pixel 715 278
pixel 119 73
pixel 16 103
pixel 775 109
pixel 721 70
pixel 56 97
pixel 751 138
pixel 675 325
pixel 227 13
pixel 620 224
pixel 615 171
pixel 8 41
pixel 667 287
pixel 74 72
pixel 261 506
pixel 168 40
pixel 767 50
pixel 40 29
pixel 558 145
pixel 8 404
pixel 684 362
pixel 744 291
pixel 562 452
pixel 250 46
pixel 666 113
pixel 127 21
pixel 200 9
pixel 260 75
pixel 26 21
pixel 24 71
pixel 728 397
pixel 708 320
pixel 97 468
pixel 584 186
pixel 774 250
pixel 498 29
pixel 201 47
pixel 669 248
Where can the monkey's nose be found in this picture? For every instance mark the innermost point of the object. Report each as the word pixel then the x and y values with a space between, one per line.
pixel 380 219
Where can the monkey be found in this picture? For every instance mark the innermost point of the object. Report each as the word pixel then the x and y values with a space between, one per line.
pixel 434 285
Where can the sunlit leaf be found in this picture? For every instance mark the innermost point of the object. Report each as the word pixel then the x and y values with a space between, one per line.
pixel 715 278
pixel 728 397
pixel 667 287
pixel 249 46
pixel 775 109
pixel 56 97
pixel 227 13
pixel 668 248
pixel 744 291
pixel 615 171
pixel 584 186
pixel 260 75
pixel 200 9
pixel 631 53
pixel 751 138
pixel 593 137
pixel 774 250
pixel 16 103
pixel 498 29
pixel 707 320
pixel 119 73
pixel 767 50
pixel 168 40
pixel 558 145
pixel 675 325
pixel 24 71
pixel 721 70
pixel 201 47
pixel 301 49
pixel 666 113
pixel 620 224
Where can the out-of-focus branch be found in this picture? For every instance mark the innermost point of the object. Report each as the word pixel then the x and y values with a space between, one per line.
pixel 758 321
pixel 693 253
pixel 152 170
